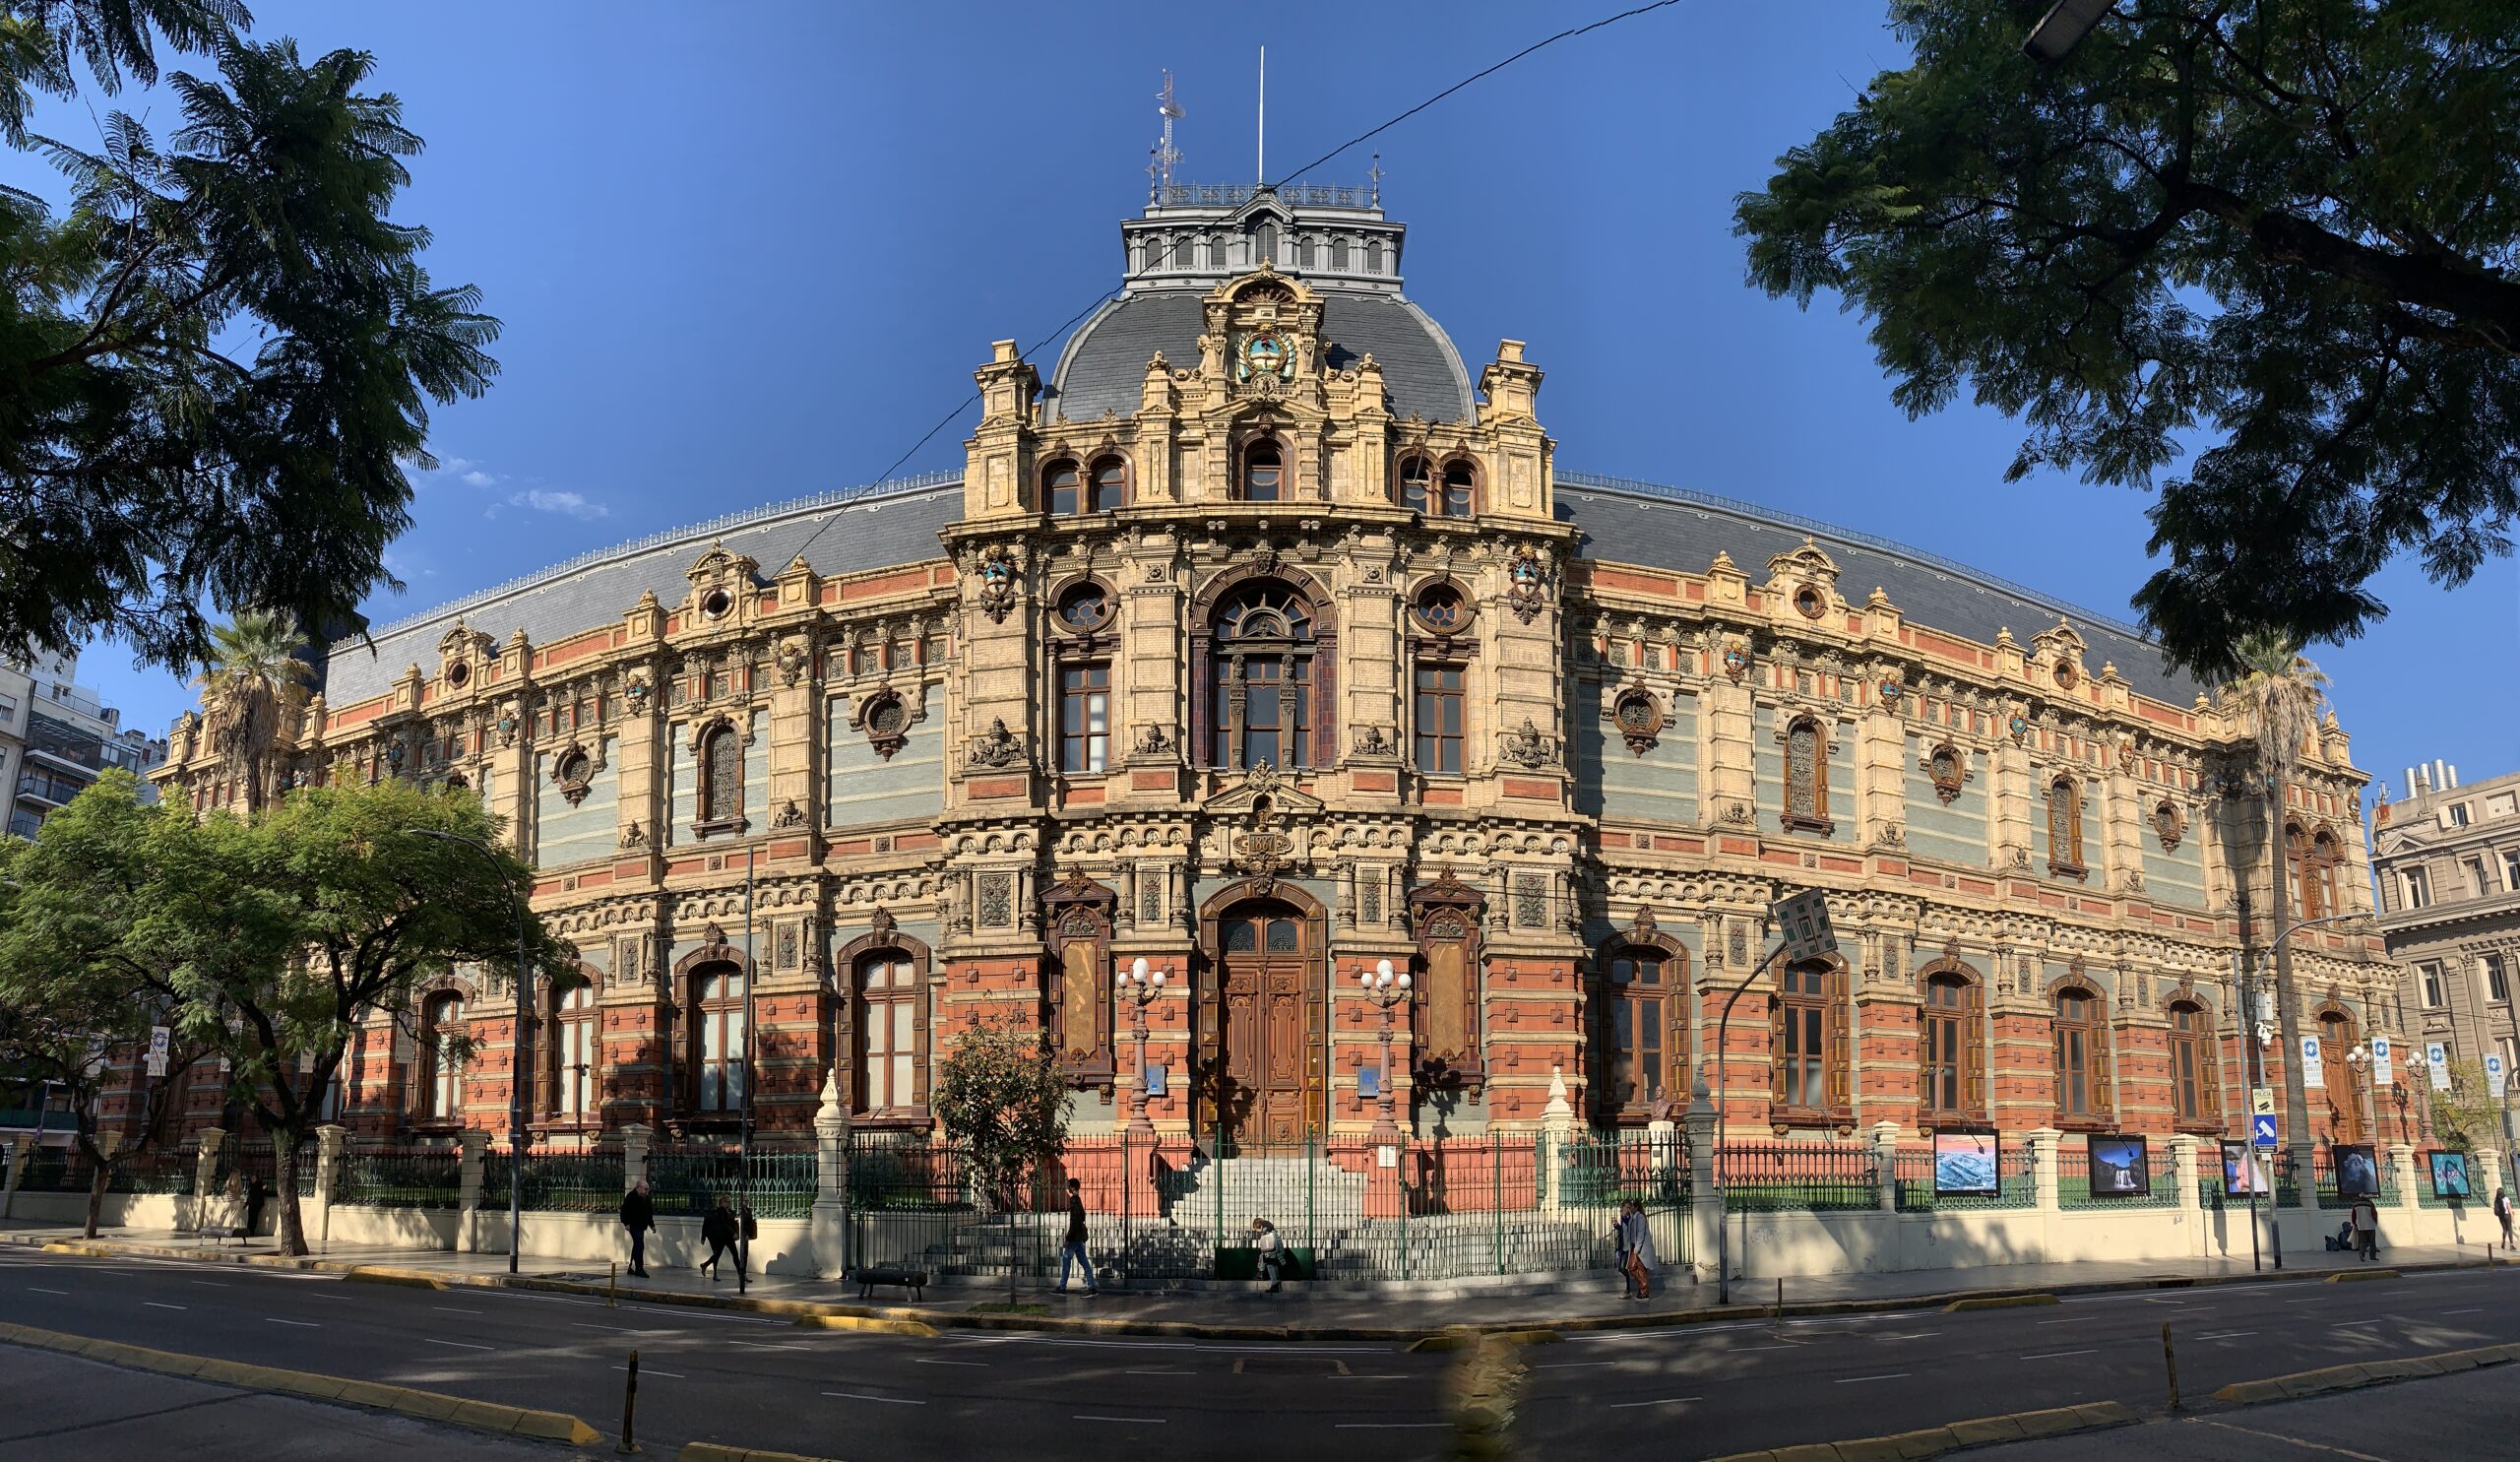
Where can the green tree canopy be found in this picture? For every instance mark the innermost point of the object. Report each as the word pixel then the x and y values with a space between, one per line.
pixel 2284 228
pixel 2467 1114
pixel 217 363
pixel 1000 1092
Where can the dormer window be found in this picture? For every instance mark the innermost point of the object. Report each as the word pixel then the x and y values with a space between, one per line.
pixel 1416 477
pixel 1263 473
pixel 1458 482
pixel 1058 487
pixel 1103 494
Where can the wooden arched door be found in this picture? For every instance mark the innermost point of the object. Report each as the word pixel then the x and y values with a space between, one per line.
pixel 2339 1079
pixel 1262 1012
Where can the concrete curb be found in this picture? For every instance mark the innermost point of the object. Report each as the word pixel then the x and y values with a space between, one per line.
pixel 947 1319
pixel 2302 1383
pixel 429 1406
pixel 1999 1302
pixel 1461 1338
pixel 2349 1276
pixel 1934 1442
pixel 710 1451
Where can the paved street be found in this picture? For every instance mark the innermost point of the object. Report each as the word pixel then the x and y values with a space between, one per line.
pixel 1666 1393
pixel 2474 1415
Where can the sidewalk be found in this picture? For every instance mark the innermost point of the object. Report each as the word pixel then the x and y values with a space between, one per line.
pixel 1293 1314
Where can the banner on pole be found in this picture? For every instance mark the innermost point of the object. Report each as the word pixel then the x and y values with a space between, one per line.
pixel 2438 1058
pixel 2494 1074
pixel 2311 1074
pixel 2385 1069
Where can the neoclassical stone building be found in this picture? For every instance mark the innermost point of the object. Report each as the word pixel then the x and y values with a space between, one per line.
pixel 1263 641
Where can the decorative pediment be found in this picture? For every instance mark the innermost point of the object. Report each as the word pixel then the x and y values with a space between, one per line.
pixel 463 642
pixel 1800 568
pixel 1444 909
pixel 1263 790
pixel 2060 651
pixel 718 575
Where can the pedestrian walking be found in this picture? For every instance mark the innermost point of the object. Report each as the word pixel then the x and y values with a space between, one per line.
pixel 1071 1252
pixel 1636 1250
pixel 2502 1212
pixel 718 1230
pixel 638 1215
pixel 750 1231
pixel 2367 1230
pixel 256 1194
pixel 1273 1253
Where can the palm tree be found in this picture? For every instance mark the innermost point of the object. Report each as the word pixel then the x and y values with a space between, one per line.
pixel 253 680
pixel 2285 694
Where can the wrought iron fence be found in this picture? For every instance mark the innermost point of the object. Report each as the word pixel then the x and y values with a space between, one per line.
pixel 689 1180
pixel 556 1179
pixel 2323 1177
pixel 2083 1181
pixel 158 1170
pixel 1783 1176
pixel 400 1178
pixel 1913 1176
pixel 1161 1212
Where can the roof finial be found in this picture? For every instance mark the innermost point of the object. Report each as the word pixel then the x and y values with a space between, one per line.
pixel 1166 155
pixel 1375 172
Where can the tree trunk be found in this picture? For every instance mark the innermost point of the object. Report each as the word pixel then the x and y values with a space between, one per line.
pixel 291 1234
pixel 2296 1102
pixel 99 1176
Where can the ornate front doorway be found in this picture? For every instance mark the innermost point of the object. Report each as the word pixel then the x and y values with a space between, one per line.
pixel 1261 1008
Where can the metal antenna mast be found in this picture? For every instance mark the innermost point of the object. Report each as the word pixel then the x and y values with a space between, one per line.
pixel 1166 153
pixel 1263 178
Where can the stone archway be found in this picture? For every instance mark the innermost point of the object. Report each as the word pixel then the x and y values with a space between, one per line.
pixel 1262 1005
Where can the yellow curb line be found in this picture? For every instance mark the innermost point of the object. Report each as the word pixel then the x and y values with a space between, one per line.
pixel 2367 1374
pixel 2349 1276
pixel 710 1451
pixel 862 1322
pixel 1999 1302
pixel 1462 1336
pixel 1934 1442
pixel 431 1405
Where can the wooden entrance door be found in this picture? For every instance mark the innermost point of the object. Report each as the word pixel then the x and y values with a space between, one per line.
pixel 1265 1086
pixel 2344 1091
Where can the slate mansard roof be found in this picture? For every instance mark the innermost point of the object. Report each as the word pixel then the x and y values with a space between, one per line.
pixel 1103 367
pixel 897 523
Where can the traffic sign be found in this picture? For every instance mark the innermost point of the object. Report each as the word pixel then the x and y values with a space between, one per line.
pixel 2261 1129
pixel 2261 1100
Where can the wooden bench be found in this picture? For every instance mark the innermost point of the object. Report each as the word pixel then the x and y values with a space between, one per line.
pixel 217 1233
pixel 913 1280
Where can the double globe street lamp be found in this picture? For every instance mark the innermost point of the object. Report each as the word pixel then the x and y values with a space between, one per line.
pixel 1140 986
pixel 1386 987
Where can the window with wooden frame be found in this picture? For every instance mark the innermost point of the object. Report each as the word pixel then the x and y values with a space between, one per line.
pixel 1808 1033
pixel 1437 717
pixel 1264 473
pixel 2065 829
pixel 1261 678
pixel 2082 1059
pixel 1085 716
pixel 1414 484
pixel 2310 864
pixel 1807 777
pixel 1060 483
pixel 885 993
pixel 442 1040
pixel 1447 914
pixel 719 766
pixel 717 1039
pixel 1461 489
pixel 1108 486
pixel 1954 1071
pixel 573 1056
pixel 1643 1038
pixel 2196 1072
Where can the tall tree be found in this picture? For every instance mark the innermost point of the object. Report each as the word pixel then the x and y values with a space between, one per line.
pixel 2283 694
pixel 2282 227
pixel 87 966
pixel 254 683
pixel 375 911
pixel 215 364
pixel 1001 1095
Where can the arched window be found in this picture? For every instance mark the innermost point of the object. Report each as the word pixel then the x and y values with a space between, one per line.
pixel 442 1058
pixel 2065 829
pixel 1373 256
pixel 1264 242
pixel 1263 473
pixel 574 1061
pixel 1059 488
pixel 1339 253
pixel 1415 478
pixel 1807 777
pixel 2311 864
pixel 1109 485
pixel 718 1039
pixel 1643 1046
pixel 1459 483
pixel 1954 1076
pixel 2343 1085
pixel 2082 1057
pixel 1807 1032
pixel 721 760
pixel 886 988
pixel 2196 1083
pixel 1261 678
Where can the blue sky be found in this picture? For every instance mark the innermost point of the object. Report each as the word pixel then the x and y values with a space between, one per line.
pixel 749 253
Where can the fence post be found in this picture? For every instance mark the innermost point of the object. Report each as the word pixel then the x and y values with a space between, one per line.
pixel 2402 1155
pixel 21 1152
pixel 206 1174
pixel 829 1235
pixel 474 1144
pixel 1706 1205
pixel 1557 1129
pixel 1885 1163
pixel 2186 1172
pixel 330 1139
pixel 2043 1165
pixel 634 1154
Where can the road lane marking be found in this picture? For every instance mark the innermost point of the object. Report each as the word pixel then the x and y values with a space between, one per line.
pixel 65 1293
pixel 214 1283
pixel 1389 1425
pixel 1128 1420
pixel 2052 1355
pixel 1665 1401
pixel 458 1344
pixel 2477 1309
pixel 301 1324
pixel 448 1308
pixel 2224 1335
pixel 2069 1320
pixel 1160 1372
pixel 1912 1335
pixel 755 1345
pixel 887 1400
pixel 651 1370
pixel 1892 1375
pixel 934 1361
pixel 1747 1349
pixel 591 1325
pixel 1575 1364
pixel 2315 1447
pixel 2377 1319
pixel 154 1304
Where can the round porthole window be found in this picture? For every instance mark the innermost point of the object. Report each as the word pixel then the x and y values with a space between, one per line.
pixel 715 603
pixel 456 675
pixel 1442 610
pixel 1084 607
pixel 1809 602
pixel 2065 676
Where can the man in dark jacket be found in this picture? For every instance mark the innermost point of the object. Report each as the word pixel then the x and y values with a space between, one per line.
pixel 719 1233
pixel 638 1215
pixel 1072 1252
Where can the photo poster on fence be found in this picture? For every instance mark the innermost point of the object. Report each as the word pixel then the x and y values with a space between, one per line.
pixel 2239 1174
pixel 2120 1167
pixel 2449 1174
pixel 2438 1057
pixel 2313 1072
pixel 2358 1173
pixel 1965 1164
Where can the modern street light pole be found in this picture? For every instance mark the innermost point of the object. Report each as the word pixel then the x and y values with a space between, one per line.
pixel 518 1055
pixel 744 1139
pixel 1723 1220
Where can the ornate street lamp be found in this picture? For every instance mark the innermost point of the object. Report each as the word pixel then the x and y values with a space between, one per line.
pixel 1140 986
pixel 1387 988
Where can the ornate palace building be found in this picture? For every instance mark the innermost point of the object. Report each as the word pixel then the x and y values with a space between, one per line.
pixel 1263 641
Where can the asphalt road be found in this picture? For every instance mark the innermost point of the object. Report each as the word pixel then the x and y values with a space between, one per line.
pixel 2470 1415
pixel 1674 1393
